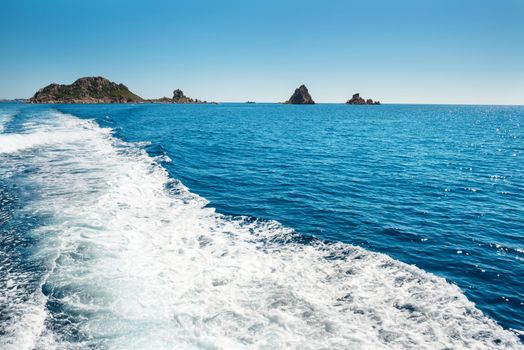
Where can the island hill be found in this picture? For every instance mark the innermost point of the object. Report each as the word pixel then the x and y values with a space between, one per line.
pixel 301 96
pixel 99 90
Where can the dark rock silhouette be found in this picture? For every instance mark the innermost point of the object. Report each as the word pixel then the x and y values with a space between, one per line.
pixel 357 100
pixel 179 97
pixel 301 96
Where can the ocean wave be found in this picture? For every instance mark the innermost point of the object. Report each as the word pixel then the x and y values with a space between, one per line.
pixel 137 261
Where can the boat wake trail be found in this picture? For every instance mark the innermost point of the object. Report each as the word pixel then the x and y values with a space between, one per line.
pixel 128 258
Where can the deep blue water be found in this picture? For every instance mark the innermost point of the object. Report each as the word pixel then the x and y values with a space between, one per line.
pixel 437 186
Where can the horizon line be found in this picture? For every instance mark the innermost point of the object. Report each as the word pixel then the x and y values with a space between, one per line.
pixel 23 101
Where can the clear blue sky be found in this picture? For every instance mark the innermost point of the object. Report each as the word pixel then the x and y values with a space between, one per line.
pixel 406 51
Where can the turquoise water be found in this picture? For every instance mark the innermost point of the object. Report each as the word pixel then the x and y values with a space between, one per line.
pixel 262 226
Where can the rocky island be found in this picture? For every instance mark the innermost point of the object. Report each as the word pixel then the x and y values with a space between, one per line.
pixel 301 96
pixel 86 90
pixel 357 100
pixel 99 90
pixel 178 97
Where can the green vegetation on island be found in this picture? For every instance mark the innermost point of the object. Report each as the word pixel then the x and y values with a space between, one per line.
pixel 86 90
pixel 99 90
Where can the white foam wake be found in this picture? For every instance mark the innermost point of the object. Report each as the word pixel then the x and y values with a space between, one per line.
pixel 40 135
pixel 139 262
pixel 5 117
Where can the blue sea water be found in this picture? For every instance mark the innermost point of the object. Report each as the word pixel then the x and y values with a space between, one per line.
pixel 261 225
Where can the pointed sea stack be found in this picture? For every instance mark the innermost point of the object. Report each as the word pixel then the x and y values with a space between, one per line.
pixel 357 100
pixel 301 97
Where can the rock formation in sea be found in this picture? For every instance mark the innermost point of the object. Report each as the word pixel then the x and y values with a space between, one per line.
pixel 301 96
pixel 179 97
pixel 357 100
pixel 86 90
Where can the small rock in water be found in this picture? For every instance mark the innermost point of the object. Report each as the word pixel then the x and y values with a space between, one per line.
pixel 357 100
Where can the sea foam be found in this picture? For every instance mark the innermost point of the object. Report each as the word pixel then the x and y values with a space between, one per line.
pixel 5 117
pixel 137 261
